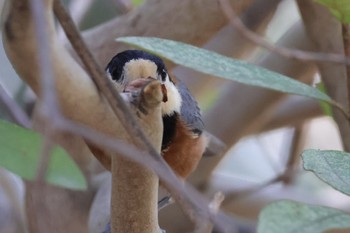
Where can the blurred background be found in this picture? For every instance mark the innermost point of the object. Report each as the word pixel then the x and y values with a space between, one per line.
pixel 264 131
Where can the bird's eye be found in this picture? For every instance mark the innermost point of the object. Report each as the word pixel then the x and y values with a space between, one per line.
pixel 163 74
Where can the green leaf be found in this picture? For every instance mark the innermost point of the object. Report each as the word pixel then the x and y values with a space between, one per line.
pixel 294 217
pixel 339 9
pixel 333 167
pixel 215 64
pixel 20 150
pixel 137 2
pixel 326 107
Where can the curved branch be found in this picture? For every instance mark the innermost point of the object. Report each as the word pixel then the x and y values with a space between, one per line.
pixel 292 112
pixel 186 21
pixel 255 104
pixel 135 187
pixel 230 42
pixel 283 51
pixel 326 34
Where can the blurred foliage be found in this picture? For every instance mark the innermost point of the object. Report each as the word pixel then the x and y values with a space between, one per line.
pixel 326 107
pixel 100 12
pixel 294 217
pixel 339 9
pixel 333 167
pixel 20 151
pixel 137 2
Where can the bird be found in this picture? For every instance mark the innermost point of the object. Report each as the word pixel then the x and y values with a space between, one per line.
pixel 183 142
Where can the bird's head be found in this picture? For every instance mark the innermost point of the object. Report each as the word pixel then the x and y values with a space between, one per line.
pixel 131 65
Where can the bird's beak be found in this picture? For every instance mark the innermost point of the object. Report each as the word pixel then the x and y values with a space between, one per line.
pixel 141 82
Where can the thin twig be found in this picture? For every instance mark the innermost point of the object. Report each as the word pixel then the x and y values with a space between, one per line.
pixel 49 97
pixel 282 51
pixel 286 176
pixel 49 107
pixel 45 155
pixel 234 196
pixel 17 114
pixel 214 206
pixel 293 154
pixel 346 41
pixel 285 52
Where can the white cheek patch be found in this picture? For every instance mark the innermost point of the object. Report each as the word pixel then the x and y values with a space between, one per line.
pixel 139 68
pixel 174 99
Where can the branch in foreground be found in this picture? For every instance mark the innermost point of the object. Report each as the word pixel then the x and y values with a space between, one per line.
pixel 18 115
pixel 134 185
pixel 346 42
pixel 195 22
pixel 49 99
pixel 325 32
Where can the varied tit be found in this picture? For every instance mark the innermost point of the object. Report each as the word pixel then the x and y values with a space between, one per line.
pixel 183 143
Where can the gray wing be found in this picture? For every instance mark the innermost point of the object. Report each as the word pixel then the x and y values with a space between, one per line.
pixel 190 112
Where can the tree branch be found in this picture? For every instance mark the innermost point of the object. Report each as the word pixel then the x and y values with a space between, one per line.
pixel 256 105
pixel 346 43
pixel 283 51
pixel 325 32
pixel 230 42
pixel 192 23
pixel 293 111
pixel 19 116
pixel 135 187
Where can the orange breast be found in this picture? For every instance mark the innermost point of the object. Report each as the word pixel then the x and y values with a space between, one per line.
pixel 185 150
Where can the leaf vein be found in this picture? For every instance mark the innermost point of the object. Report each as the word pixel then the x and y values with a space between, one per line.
pixel 335 172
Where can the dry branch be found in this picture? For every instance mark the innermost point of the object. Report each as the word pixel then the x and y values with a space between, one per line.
pixel 293 111
pixel 248 108
pixel 283 51
pixel 18 115
pixel 325 32
pixel 135 187
pixel 230 42
pixel 192 22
